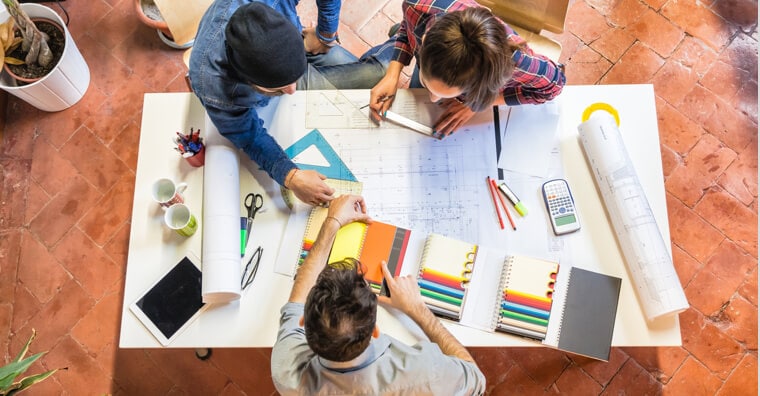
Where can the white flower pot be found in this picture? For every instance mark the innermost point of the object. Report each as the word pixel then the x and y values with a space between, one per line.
pixel 65 84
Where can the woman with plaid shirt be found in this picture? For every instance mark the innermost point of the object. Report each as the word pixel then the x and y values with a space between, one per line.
pixel 468 59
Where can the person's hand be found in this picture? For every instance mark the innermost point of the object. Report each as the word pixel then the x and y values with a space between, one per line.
pixel 405 293
pixel 347 209
pixel 455 115
pixel 381 96
pixel 311 42
pixel 309 186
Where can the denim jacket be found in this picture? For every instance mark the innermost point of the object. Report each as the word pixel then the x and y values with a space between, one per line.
pixel 230 103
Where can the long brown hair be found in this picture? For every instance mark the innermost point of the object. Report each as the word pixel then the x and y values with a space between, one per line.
pixel 468 49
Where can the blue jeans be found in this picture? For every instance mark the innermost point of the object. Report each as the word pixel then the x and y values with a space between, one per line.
pixel 414 82
pixel 339 69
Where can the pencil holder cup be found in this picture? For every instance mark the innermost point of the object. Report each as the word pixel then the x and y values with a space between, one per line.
pixel 199 158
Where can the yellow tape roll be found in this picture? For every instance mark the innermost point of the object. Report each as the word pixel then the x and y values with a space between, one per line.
pixel 600 106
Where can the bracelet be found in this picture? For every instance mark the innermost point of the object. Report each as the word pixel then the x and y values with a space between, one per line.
pixel 290 177
pixel 338 221
pixel 328 41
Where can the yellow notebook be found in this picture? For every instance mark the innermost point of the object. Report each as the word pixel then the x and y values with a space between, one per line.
pixel 348 242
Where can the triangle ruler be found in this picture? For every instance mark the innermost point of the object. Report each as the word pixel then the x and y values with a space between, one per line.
pixel 314 152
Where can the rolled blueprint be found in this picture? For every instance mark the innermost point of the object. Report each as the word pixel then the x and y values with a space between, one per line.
pixel 221 219
pixel 654 278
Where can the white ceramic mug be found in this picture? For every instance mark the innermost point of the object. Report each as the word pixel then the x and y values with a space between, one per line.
pixel 179 218
pixel 167 193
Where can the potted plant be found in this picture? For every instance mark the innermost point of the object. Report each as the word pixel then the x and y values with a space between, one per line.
pixel 148 13
pixel 8 373
pixel 63 74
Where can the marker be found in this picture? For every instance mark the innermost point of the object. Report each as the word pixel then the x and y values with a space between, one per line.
pixel 519 207
pixel 411 124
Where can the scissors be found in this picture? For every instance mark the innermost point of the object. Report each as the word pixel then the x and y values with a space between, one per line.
pixel 252 203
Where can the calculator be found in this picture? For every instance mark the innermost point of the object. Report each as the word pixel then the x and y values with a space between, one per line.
pixel 561 207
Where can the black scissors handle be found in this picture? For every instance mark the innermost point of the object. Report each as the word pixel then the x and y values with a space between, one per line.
pixel 253 203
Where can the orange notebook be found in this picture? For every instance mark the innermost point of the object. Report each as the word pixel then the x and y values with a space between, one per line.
pixel 371 244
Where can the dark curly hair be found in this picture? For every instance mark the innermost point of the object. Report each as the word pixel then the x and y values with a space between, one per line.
pixel 340 312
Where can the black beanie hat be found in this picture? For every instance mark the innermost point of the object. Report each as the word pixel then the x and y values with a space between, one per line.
pixel 264 47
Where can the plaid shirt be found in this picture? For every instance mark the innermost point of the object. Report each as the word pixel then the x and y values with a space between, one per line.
pixel 536 78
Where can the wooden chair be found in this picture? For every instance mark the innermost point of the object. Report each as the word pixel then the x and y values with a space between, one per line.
pixel 529 18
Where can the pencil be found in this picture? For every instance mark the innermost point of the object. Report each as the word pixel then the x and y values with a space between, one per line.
pixel 503 204
pixel 493 197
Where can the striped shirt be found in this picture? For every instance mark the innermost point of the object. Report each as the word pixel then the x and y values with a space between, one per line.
pixel 536 79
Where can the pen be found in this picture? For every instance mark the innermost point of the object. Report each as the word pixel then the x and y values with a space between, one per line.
pixel 504 205
pixel 493 197
pixel 385 99
pixel 519 207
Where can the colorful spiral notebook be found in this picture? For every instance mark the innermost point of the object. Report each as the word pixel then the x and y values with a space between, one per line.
pixel 563 307
pixel 445 270
pixel 371 244
pixel 525 296
pixel 567 308
pixel 318 214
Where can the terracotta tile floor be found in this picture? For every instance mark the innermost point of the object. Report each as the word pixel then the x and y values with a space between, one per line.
pixel 67 181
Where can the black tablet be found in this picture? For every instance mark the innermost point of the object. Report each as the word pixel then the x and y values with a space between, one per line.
pixel 172 303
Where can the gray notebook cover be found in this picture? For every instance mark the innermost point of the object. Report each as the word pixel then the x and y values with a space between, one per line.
pixel 589 314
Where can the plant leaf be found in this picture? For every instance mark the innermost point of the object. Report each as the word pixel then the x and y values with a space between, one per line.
pixel 33 379
pixel 24 350
pixel 13 61
pixel 10 371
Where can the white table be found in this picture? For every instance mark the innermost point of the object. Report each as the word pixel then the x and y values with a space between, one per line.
pixel 253 320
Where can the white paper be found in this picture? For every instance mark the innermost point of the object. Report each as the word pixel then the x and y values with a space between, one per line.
pixel 529 132
pixel 656 283
pixel 221 219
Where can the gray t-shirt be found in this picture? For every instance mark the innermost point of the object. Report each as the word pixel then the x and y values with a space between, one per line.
pixel 387 367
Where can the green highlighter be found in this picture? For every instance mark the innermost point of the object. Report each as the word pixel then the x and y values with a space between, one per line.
pixel 519 207
pixel 243 225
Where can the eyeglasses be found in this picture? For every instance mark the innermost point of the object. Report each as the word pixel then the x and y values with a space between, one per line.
pixel 250 272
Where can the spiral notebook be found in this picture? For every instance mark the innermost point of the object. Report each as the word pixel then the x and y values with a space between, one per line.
pixel 318 214
pixel 525 296
pixel 445 271
pixel 568 308
pixel 371 244
pixel 563 307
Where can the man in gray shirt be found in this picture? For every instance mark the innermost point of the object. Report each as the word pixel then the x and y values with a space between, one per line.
pixel 328 342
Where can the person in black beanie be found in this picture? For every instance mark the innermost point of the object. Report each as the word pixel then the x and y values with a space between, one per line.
pixel 246 52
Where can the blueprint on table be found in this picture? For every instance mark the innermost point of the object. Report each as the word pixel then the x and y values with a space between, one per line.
pixel 410 180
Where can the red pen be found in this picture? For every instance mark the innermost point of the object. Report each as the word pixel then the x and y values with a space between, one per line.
pixel 493 197
pixel 503 204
